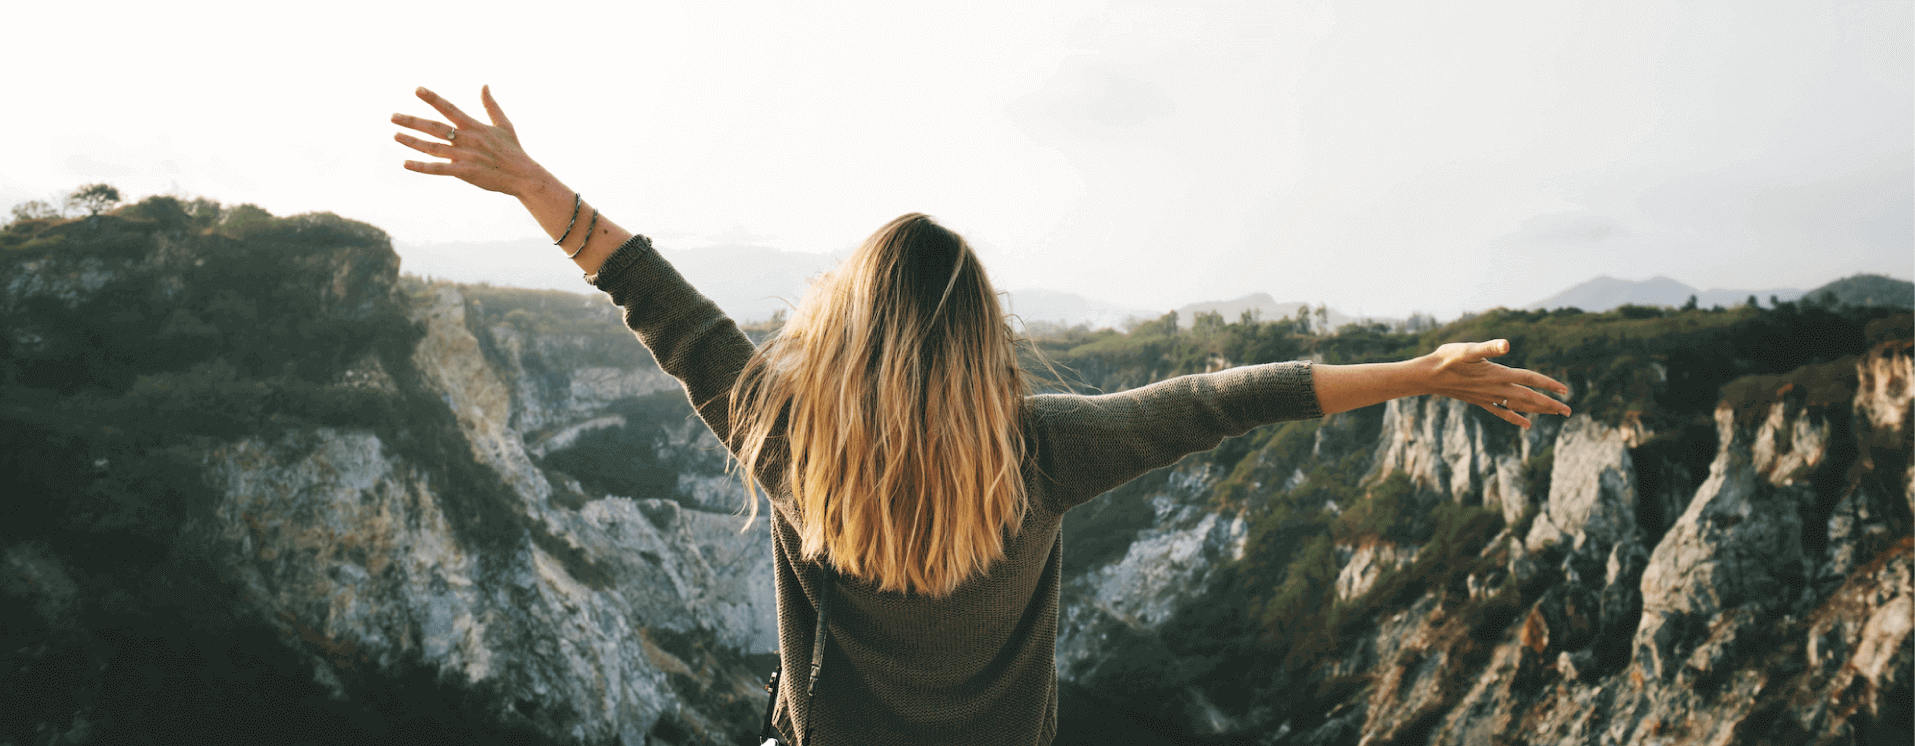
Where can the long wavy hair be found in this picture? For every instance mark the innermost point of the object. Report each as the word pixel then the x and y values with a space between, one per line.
pixel 889 408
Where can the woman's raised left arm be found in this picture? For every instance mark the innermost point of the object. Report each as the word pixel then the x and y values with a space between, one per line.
pixel 689 336
pixel 489 157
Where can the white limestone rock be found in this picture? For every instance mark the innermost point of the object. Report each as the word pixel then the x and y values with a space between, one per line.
pixel 1592 491
pixel 1363 564
pixel 1739 542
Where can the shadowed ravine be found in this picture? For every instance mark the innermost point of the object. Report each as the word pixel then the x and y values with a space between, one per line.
pixel 260 487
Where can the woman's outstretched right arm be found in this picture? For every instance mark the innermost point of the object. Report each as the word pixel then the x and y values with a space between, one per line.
pixel 689 336
pixel 1098 442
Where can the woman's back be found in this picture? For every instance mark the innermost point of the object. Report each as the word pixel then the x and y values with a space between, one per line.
pixel 978 666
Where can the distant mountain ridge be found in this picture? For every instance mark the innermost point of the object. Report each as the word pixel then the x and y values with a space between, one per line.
pixel 1035 305
pixel 1605 293
pixel 1267 308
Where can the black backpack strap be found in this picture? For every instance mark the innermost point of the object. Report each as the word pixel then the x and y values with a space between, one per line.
pixel 818 644
pixel 766 732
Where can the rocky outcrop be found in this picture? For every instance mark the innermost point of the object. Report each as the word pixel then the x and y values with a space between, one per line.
pixel 1163 568
pixel 1765 602
pixel 1363 564
pixel 431 533
pixel 1592 493
pixel 1738 546
pixel 1452 448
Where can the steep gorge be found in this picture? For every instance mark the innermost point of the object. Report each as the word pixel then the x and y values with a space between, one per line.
pixel 263 487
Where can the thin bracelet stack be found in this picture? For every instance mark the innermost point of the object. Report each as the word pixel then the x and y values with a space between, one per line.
pixel 574 221
pixel 588 235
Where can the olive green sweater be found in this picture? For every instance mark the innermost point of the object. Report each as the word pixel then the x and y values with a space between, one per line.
pixel 979 666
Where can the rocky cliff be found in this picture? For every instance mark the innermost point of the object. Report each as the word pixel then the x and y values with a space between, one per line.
pixel 268 490
pixel 263 488
pixel 1583 582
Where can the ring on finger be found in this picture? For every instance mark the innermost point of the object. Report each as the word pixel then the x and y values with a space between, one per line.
pixel 450 135
pixel 1504 404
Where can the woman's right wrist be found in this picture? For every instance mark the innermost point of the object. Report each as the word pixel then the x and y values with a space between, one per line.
pixel 550 203
pixel 537 185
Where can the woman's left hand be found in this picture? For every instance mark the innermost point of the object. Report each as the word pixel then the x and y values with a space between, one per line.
pixel 487 156
pixel 1462 370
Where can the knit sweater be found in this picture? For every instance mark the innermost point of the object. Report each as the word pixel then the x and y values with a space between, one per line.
pixel 978 666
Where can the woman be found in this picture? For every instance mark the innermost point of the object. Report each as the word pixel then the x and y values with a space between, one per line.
pixel 917 490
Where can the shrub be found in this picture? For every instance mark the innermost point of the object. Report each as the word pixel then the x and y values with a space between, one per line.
pixel 161 209
pixel 34 209
pixel 1384 511
pixel 93 199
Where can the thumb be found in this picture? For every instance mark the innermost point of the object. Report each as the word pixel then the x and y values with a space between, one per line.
pixel 1484 350
pixel 492 108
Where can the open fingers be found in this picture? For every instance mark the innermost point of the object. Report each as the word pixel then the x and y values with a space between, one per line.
pixel 1536 380
pixel 1508 415
pixel 431 127
pixel 445 107
pixel 437 168
pixel 1523 399
pixel 428 147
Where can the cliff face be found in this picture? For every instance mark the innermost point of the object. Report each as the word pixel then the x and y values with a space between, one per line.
pixel 1629 593
pixel 393 532
pixel 267 489
pixel 570 607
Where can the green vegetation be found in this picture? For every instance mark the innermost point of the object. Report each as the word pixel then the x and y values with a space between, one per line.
pixel 1635 361
pixel 93 199
pixel 1865 290
pixel 152 351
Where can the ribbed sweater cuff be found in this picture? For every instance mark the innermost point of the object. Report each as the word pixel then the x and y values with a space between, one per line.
pixel 1293 392
pixel 634 250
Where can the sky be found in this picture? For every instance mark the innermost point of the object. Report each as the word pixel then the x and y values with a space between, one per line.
pixel 1381 157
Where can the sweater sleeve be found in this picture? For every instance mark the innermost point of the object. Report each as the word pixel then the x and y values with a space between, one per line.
pixel 1088 445
pixel 690 337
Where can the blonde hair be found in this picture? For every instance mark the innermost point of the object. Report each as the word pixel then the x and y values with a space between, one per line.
pixel 889 406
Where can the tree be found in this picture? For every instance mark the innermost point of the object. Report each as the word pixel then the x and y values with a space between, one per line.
pixel 1419 322
pixel 34 209
pixel 1690 305
pixel 93 198
pixel 1207 325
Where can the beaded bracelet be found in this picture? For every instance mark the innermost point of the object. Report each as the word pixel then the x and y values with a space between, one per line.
pixel 574 220
pixel 588 235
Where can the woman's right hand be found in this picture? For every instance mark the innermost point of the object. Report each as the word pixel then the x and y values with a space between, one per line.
pixel 487 156
pixel 1463 371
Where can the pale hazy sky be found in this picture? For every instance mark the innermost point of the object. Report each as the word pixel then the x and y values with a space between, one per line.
pixel 1382 157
